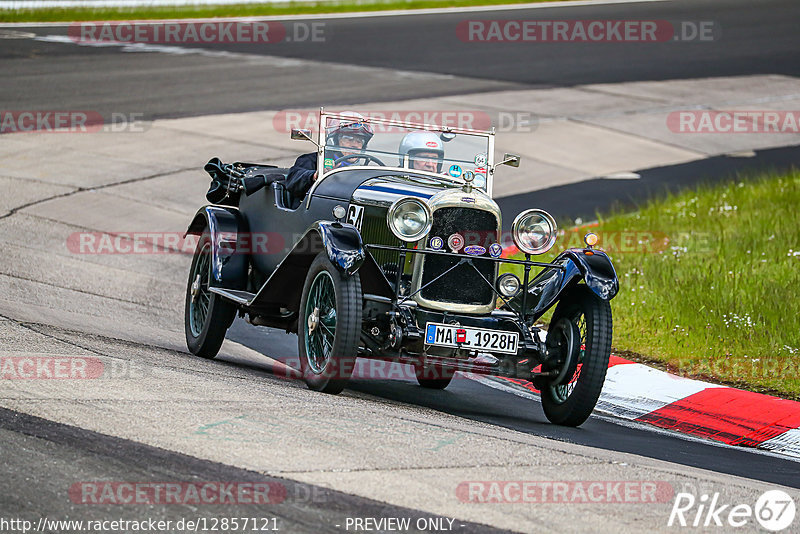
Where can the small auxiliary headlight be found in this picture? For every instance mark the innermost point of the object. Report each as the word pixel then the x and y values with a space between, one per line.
pixel 590 239
pixel 508 284
pixel 339 212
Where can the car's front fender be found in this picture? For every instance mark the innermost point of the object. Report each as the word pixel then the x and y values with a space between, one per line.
pixel 594 269
pixel 340 242
pixel 343 245
pixel 223 226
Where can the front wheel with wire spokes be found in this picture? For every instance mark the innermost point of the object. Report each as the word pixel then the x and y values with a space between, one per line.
pixel 570 400
pixel 330 326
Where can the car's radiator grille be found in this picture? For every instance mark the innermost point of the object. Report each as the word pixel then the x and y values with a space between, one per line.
pixel 375 232
pixel 462 285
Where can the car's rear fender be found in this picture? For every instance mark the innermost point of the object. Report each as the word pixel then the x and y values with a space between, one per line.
pixel 223 225
pixel 592 266
pixel 345 250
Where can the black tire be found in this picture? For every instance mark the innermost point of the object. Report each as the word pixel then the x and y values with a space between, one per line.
pixel 571 402
pixel 207 316
pixel 327 356
pixel 434 376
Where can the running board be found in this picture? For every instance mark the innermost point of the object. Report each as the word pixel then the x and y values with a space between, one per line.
pixel 243 298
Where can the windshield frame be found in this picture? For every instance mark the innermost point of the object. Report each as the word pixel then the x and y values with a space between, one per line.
pixel 447 180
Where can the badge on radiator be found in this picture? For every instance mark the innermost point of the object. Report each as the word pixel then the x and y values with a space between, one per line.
pixel 495 250
pixel 436 243
pixel 475 250
pixel 455 242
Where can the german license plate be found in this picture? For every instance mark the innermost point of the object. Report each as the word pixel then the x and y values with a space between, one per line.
pixel 465 337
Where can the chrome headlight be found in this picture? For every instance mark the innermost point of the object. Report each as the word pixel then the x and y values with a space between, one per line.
pixel 409 219
pixel 534 231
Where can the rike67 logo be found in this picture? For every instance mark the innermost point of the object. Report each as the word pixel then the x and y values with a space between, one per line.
pixel 774 510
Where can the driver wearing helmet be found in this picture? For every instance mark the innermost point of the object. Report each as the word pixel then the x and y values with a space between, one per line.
pixel 425 151
pixel 343 133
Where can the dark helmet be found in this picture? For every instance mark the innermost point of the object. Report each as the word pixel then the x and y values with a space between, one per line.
pixel 357 127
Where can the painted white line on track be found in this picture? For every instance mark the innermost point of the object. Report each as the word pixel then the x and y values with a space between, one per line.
pixel 353 15
pixel 263 60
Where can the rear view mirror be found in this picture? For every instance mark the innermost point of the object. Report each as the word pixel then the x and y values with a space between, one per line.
pixel 301 135
pixel 512 160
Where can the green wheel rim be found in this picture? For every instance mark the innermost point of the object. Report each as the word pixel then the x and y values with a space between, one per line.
pixel 201 301
pixel 319 326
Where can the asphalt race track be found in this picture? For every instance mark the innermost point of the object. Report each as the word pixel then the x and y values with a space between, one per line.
pixel 755 38
pixel 384 448
pixel 471 400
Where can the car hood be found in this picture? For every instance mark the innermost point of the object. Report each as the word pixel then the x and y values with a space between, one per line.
pixel 383 191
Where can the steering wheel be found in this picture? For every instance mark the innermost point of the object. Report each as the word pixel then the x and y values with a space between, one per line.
pixel 368 157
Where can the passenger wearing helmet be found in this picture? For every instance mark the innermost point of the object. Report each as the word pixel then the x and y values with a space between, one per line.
pixel 344 133
pixel 425 151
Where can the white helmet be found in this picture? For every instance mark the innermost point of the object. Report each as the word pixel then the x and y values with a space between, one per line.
pixel 415 142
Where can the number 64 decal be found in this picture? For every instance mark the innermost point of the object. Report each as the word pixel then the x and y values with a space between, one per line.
pixel 354 215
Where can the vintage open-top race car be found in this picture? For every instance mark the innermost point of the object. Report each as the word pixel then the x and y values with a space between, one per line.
pixel 394 254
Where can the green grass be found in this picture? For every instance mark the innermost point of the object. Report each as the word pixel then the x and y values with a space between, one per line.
pixel 236 10
pixel 721 299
